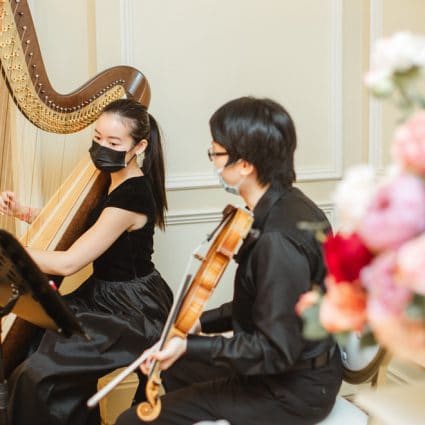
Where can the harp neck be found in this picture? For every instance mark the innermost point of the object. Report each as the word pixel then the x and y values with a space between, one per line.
pixel 29 85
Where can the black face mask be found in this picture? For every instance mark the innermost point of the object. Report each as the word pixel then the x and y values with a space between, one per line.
pixel 107 159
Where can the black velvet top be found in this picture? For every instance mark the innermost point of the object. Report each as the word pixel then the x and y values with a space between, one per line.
pixel 130 255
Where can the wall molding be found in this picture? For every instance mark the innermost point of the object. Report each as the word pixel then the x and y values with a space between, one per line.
pixel 197 216
pixel 332 172
pixel 336 99
pixel 127 30
pixel 193 217
pixel 375 105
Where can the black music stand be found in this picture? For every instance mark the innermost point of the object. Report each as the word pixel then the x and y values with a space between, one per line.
pixel 26 291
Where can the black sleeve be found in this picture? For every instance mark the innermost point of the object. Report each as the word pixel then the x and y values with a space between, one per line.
pixel 280 273
pixel 218 319
pixel 132 196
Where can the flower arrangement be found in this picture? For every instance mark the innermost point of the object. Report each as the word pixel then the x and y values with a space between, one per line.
pixel 375 283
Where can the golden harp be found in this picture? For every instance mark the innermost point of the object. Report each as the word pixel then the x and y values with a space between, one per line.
pixel 63 218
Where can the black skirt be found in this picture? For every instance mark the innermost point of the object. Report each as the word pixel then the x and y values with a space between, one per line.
pixel 122 319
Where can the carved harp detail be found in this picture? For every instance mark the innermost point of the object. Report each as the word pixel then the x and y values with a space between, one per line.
pixel 64 217
pixel 23 69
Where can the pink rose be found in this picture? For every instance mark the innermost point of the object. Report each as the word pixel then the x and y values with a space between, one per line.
pixel 343 307
pixel 411 265
pixel 384 294
pixel 409 144
pixel 402 336
pixel 395 215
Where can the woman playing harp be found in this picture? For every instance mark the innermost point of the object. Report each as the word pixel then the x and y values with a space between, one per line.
pixel 125 302
pixel 37 384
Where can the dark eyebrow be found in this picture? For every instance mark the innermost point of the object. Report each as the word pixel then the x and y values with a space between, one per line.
pixel 110 137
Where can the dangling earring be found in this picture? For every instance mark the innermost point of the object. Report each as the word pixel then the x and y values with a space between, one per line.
pixel 140 158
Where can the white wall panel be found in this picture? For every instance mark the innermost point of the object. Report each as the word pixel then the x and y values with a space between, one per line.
pixel 198 55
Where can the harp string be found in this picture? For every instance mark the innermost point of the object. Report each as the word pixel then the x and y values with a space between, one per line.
pixel 32 178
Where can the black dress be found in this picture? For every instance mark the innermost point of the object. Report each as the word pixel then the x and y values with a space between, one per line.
pixel 122 307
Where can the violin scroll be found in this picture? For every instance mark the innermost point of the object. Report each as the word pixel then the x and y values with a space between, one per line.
pixel 149 410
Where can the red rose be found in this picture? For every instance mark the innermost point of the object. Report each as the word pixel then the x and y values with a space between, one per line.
pixel 345 256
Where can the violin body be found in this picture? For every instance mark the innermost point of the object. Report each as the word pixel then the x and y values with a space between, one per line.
pixel 235 227
pixel 212 268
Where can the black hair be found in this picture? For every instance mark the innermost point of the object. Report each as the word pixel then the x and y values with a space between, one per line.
pixel 144 126
pixel 261 132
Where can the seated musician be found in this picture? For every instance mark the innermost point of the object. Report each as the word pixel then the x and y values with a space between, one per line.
pixel 124 304
pixel 266 373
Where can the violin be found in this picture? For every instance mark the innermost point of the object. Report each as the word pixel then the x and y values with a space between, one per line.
pixel 194 294
pixel 189 302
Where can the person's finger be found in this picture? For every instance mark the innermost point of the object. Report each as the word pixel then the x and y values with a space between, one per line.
pixel 4 203
pixel 163 354
pixel 164 365
pixel 3 198
pixel 144 367
pixel 170 353
pixel 8 201
pixel 9 196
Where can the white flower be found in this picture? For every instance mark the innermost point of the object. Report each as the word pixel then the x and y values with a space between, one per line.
pixel 380 81
pixel 398 54
pixel 353 195
pixel 392 171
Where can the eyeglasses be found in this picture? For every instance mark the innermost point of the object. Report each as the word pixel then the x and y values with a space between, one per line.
pixel 212 154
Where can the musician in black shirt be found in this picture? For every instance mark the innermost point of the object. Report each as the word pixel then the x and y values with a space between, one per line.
pixel 266 372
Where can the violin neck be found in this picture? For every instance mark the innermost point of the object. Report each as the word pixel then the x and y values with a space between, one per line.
pixel 178 300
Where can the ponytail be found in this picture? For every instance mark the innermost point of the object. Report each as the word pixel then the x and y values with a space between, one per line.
pixel 153 168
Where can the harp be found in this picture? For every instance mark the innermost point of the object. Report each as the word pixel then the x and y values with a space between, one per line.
pixel 63 218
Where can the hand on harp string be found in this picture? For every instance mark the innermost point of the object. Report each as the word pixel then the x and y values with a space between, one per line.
pixel 10 205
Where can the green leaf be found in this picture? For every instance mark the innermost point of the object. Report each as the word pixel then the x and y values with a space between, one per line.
pixel 341 338
pixel 421 101
pixel 312 328
pixel 367 339
pixel 416 309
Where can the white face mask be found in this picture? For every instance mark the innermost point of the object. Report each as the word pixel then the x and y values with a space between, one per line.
pixel 233 189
